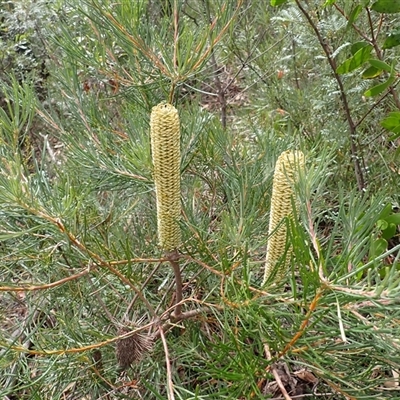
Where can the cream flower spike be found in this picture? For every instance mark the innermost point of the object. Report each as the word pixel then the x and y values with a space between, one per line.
pixel 288 168
pixel 165 144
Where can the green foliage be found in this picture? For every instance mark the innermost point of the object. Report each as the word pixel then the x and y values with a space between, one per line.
pixel 23 32
pixel 386 6
pixel 359 58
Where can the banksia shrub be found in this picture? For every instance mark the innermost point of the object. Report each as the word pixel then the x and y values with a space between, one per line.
pixel 287 170
pixel 165 145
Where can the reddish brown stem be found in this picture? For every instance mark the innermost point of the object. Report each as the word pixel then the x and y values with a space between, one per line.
pixel 355 154
pixel 173 258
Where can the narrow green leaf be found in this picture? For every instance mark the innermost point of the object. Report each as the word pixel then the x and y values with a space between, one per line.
pixel 380 65
pixel 378 247
pixel 275 3
pixel 378 89
pixel 371 73
pixel 392 40
pixel 329 3
pixel 394 137
pixel 359 58
pixel 386 6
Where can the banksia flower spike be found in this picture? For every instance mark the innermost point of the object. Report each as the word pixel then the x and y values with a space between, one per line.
pixel 165 145
pixel 287 170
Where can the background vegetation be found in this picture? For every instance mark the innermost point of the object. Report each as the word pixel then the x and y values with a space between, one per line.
pixel 80 263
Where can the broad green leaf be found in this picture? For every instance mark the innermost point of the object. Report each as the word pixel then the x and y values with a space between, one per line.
pixel 359 58
pixel 386 6
pixel 275 3
pixel 382 224
pixel 389 232
pixel 393 219
pixel 371 73
pixel 392 122
pixel 387 210
pixel 392 40
pixel 380 65
pixel 357 46
pixel 329 3
pixel 378 89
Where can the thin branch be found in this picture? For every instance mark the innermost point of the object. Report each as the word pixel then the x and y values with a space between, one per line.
pixel 303 325
pixel 353 146
pixel 360 121
pixel 170 384
pixel 30 288
pixel 22 349
pixel 216 70
pixel 276 374
pixel 132 303
pixel 176 35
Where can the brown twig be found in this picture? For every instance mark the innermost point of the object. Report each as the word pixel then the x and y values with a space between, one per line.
pixel 22 349
pixel 303 325
pixel 132 303
pixel 276 374
pixel 173 258
pixel 355 153
pixel 295 338
pixel 29 288
pixel 170 384
pixel 216 70
pixel 176 35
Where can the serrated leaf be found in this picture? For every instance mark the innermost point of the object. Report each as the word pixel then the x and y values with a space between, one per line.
pixel 380 65
pixel 371 73
pixel 275 3
pixel 386 6
pixel 359 58
pixel 378 89
pixel 391 41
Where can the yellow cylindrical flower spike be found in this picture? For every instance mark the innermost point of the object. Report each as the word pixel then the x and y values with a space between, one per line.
pixel 287 170
pixel 165 145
